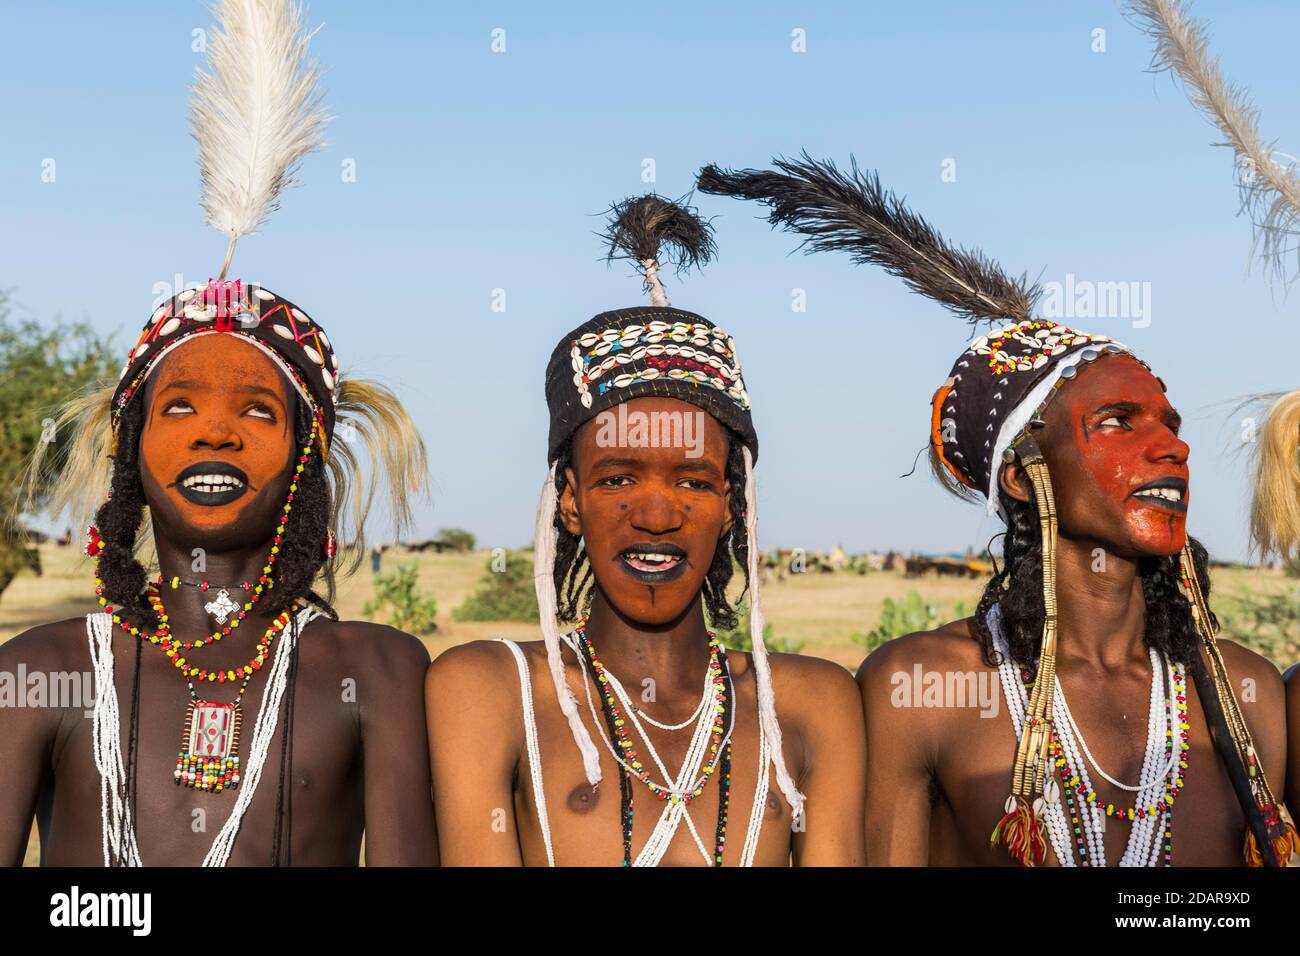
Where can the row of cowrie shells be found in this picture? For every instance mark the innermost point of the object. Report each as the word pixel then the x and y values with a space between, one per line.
pixel 623 358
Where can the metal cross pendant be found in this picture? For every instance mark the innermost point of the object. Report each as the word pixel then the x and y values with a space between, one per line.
pixel 222 607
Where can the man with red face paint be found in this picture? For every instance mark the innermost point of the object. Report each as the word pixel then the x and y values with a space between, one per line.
pixel 648 510
pixel 1097 618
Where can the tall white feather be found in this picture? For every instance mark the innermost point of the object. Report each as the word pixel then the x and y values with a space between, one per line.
pixel 1270 189
pixel 256 115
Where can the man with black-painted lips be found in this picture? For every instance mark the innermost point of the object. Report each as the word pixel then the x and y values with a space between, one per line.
pixel 938 777
pixel 216 457
pixel 651 520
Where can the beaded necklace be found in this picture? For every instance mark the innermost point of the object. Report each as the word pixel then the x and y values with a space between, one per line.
pixel 208 758
pixel 718 689
pixel 1163 774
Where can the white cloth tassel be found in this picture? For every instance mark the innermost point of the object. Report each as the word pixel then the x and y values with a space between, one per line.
pixel 547 607
pixel 762 670
pixel 658 297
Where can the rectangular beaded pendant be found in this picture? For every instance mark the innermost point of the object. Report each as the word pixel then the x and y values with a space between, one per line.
pixel 209 754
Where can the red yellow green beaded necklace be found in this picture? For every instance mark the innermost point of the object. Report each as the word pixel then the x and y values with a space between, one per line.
pixel 625 752
pixel 208 758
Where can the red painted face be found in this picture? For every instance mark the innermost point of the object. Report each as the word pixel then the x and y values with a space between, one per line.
pixel 650 517
pixel 218 442
pixel 1118 467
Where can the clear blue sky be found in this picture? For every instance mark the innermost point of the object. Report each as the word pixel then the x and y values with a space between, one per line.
pixel 478 171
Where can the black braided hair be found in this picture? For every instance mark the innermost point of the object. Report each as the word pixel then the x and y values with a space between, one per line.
pixel 1017 588
pixel 302 552
pixel 573 571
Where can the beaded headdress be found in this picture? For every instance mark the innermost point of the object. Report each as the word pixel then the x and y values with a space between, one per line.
pixel 654 350
pixel 985 415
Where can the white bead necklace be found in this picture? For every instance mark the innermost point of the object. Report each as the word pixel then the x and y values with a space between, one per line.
pixel 1143 845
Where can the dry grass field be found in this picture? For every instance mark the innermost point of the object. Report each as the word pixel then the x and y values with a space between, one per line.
pixel 820 610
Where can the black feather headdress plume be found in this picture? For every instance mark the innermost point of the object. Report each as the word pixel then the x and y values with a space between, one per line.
pixel 651 231
pixel 851 212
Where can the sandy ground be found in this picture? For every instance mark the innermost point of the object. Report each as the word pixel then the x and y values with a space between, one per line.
pixel 821 610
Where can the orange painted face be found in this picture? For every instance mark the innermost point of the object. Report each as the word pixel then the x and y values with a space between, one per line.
pixel 217 447
pixel 1118 467
pixel 650 517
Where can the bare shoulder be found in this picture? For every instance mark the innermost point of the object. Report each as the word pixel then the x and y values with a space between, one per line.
pixel 376 647
pixel 61 645
pixel 951 647
pixel 813 682
pixel 1243 663
pixel 464 670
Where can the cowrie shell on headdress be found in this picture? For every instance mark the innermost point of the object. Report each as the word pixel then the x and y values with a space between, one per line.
pixel 301 316
pixel 283 332
pixel 623 358
pixel 628 341
pixel 186 295
pixel 624 380
pixel 201 314
pixel 655 350
pixel 679 336
pixel 672 350
pixel 633 330
pixel 1040 361
pixel 677 373
pixel 718 333
pixel 609 335
pixel 586 399
pixel 262 293
pixel 595 373
pixel 139 350
pixel 699 375
pixel 657 326
pixel 329 379
pixel 602 349
pixel 577 377
pixel 158 315
pixel 320 334
pixel 609 363
pixel 313 355
pixel 170 326
pixel 719 345
pixel 654 337
pixel 576 362
pixel 638 352
pixel 587 340
pixel 650 373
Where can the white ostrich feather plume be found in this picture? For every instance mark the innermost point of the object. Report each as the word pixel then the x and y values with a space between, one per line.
pixel 256 114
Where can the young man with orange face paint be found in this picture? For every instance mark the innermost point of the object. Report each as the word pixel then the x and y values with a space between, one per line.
pixel 648 510
pixel 235 719
pixel 1095 631
pixel 294 727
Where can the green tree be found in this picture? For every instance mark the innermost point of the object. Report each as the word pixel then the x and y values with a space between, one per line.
pixel 455 539
pixel 40 368
pixel 506 591
pixel 910 614
pixel 412 611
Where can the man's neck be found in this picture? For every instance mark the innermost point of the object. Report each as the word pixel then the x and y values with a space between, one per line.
pixel 1100 607
pixel 673 655
pixel 227 569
